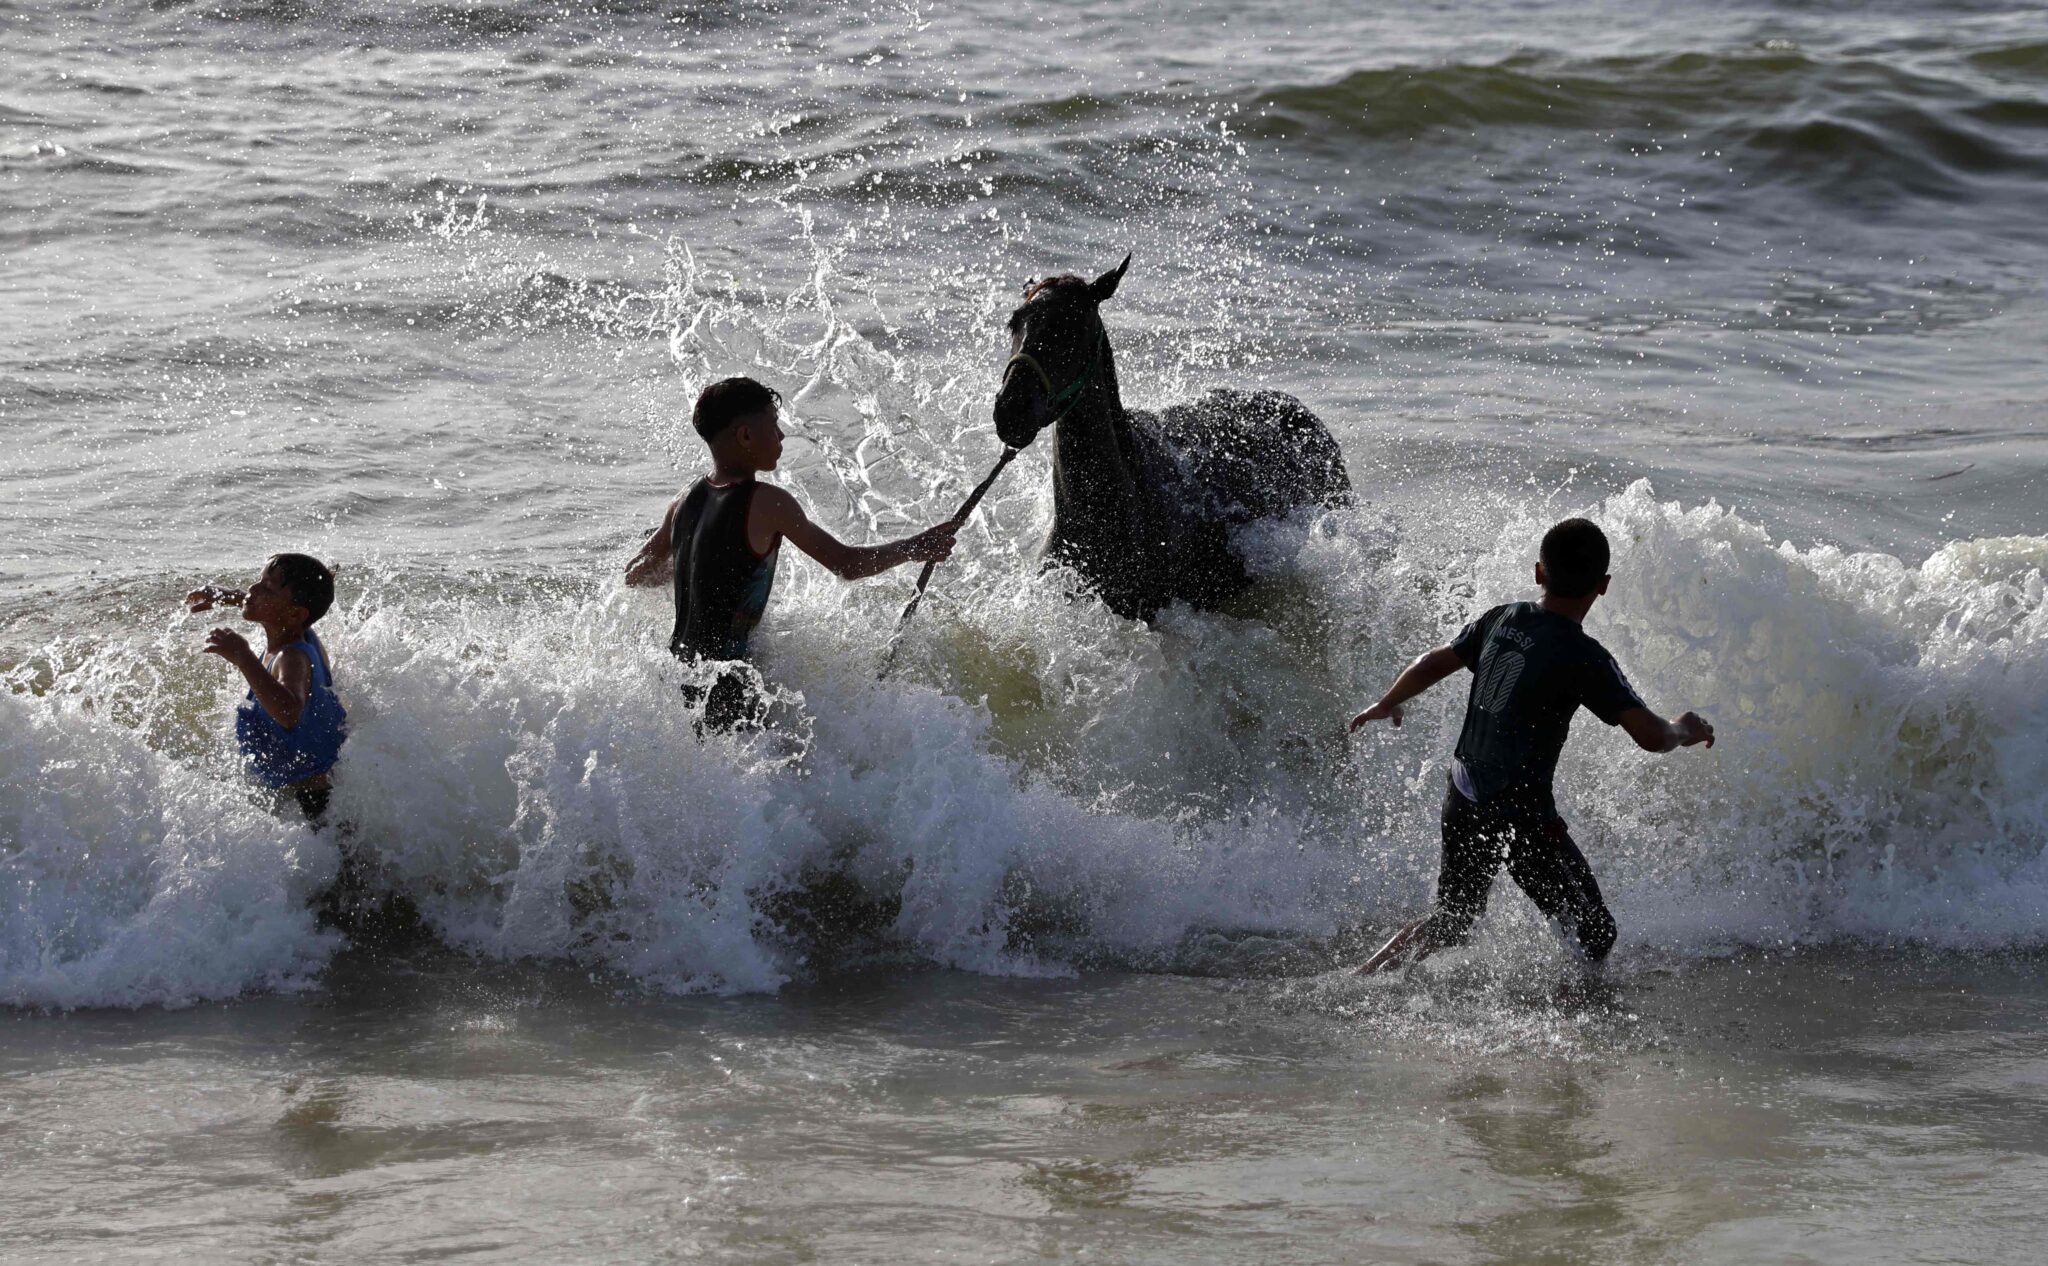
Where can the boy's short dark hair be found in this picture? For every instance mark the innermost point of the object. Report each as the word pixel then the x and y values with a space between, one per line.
pixel 1574 557
pixel 309 581
pixel 727 401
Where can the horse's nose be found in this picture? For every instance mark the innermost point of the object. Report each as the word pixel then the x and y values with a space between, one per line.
pixel 1020 411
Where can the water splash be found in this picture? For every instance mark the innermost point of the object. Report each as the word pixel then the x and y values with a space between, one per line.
pixel 1047 785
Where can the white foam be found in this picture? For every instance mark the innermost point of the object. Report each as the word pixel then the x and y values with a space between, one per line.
pixel 128 878
pixel 528 771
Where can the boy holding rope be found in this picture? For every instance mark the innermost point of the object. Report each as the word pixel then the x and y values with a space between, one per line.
pixel 720 541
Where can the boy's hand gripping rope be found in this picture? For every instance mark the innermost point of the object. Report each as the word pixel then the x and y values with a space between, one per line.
pixel 925 577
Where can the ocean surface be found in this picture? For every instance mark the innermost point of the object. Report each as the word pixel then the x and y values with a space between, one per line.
pixel 1036 950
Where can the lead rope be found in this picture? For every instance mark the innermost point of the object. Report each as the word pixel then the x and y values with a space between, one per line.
pixel 1070 395
pixel 925 577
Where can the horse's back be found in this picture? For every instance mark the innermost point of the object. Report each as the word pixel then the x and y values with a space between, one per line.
pixel 1253 454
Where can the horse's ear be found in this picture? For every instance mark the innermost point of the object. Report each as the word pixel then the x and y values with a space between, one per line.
pixel 1104 286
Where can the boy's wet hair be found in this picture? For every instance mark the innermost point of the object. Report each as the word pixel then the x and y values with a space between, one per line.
pixel 727 401
pixel 309 581
pixel 1574 557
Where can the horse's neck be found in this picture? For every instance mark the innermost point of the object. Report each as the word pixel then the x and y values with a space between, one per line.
pixel 1094 439
pixel 1092 448
pixel 1105 515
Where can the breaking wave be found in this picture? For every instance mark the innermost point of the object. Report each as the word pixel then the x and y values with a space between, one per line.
pixel 1045 785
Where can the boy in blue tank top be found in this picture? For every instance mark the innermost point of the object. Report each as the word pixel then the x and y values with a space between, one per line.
pixel 1533 666
pixel 290 725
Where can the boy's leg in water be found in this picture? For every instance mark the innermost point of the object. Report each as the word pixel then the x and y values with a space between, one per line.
pixel 1472 851
pixel 370 912
pixel 342 898
pixel 733 704
pixel 730 703
pixel 312 797
pixel 1545 862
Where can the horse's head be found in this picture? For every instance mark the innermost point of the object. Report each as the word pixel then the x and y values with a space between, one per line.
pixel 1059 351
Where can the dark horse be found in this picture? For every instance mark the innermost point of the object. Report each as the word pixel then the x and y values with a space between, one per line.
pixel 1144 505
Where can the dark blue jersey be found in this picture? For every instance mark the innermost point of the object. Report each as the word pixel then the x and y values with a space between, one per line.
pixel 1531 670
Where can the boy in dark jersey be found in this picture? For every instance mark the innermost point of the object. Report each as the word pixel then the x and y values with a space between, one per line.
pixel 720 541
pixel 1532 666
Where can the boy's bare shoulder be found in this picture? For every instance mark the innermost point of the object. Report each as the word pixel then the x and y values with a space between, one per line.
pixel 292 663
pixel 777 501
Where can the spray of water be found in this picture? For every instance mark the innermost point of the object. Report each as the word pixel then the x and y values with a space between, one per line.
pixel 1041 785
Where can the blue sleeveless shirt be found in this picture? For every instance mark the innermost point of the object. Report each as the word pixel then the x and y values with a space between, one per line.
pixel 277 757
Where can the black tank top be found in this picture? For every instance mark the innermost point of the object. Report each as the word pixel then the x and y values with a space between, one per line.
pixel 722 585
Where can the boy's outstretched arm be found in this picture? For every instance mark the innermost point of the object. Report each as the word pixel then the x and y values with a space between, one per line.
pixel 1414 679
pixel 651 565
pixel 203 600
pixel 780 513
pixel 1653 733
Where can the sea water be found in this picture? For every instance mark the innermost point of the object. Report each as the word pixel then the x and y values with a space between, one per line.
pixel 1035 949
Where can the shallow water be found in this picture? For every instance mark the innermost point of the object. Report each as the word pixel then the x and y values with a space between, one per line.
pixel 1816 1107
pixel 1022 952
